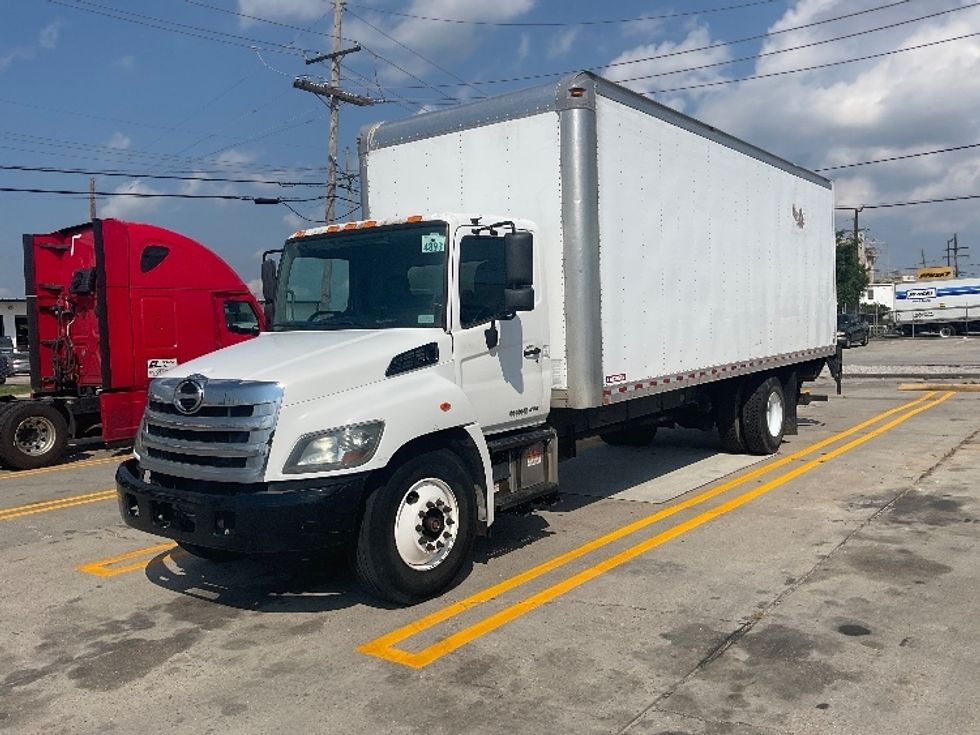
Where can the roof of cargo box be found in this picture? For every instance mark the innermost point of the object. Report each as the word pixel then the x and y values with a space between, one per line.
pixel 555 97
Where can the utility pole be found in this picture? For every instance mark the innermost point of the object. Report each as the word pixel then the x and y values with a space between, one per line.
pixel 336 95
pixel 953 254
pixel 91 199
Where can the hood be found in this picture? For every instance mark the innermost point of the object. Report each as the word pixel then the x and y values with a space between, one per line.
pixel 313 364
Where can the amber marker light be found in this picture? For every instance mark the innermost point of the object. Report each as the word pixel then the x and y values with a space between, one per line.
pixel 445 406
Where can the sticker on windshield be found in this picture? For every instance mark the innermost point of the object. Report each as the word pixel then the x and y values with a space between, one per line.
pixel 433 243
pixel 427 319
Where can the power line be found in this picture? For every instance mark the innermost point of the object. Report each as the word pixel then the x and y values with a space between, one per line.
pixel 800 47
pixel 404 71
pixel 162 195
pixel 556 24
pixel 167 177
pixel 162 24
pixel 682 52
pixel 815 66
pixel 899 158
pixel 416 53
pixel 889 205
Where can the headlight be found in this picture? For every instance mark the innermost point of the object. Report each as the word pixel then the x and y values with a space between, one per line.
pixel 348 446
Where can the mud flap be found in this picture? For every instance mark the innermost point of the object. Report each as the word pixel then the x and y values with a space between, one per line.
pixel 836 365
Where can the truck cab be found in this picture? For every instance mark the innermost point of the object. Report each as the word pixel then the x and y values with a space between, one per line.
pixel 397 354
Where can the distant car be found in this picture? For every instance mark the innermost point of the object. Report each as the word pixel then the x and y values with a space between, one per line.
pixel 4 368
pixel 20 362
pixel 852 330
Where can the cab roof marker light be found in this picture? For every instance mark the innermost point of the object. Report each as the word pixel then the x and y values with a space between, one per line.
pixel 414 218
pixel 351 226
pixel 299 233
pixel 333 228
pixel 369 223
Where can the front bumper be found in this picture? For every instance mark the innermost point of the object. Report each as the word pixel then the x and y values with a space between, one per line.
pixel 298 515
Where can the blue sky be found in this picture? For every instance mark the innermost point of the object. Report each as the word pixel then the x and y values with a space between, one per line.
pixel 197 89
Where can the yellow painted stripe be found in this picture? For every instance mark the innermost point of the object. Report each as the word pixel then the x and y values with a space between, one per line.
pixel 138 559
pixel 959 387
pixel 45 506
pixel 384 647
pixel 60 468
pixel 524 577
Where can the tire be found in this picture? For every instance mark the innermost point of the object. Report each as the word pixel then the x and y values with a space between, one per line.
pixel 867 338
pixel 640 436
pixel 728 406
pixel 764 417
pixel 390 561
pixel 215 555
pixel 32 435
pixel 946 331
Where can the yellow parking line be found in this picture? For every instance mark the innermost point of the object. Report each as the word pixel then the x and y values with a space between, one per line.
pixel 44 506
pixel 60 468
pixel 108 567
pixel 384 647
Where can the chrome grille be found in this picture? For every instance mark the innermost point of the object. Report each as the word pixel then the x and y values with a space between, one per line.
pixel 226 439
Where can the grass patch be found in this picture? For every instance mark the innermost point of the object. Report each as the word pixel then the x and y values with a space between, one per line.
pixel 14 390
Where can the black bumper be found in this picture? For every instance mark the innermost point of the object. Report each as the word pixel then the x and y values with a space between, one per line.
pixel 269 518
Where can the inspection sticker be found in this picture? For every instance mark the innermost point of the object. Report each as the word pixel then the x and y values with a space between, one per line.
pixel 434 243
pixel 157 366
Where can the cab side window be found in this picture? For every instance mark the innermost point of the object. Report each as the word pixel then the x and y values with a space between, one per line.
pixel 482 279
pixel 240 318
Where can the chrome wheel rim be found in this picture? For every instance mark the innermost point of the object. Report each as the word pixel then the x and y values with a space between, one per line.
pixel 774 414
pixel 35 436
pixel 427 524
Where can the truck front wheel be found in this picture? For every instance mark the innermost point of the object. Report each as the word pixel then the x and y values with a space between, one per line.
pixel 418 529
pixel 764 417
pixel 32 435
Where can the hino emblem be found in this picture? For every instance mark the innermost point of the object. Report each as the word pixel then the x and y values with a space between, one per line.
pixel 189 395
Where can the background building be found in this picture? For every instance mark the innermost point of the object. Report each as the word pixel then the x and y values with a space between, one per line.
pixel 13 321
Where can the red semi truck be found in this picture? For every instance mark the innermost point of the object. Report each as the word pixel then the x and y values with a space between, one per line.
pixel 111 305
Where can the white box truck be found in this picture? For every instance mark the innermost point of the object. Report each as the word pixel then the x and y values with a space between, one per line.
pixel 944 307
pixel 532 269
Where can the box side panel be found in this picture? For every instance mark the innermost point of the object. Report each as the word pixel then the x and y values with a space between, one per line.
pixel 510 167
pixel 708 256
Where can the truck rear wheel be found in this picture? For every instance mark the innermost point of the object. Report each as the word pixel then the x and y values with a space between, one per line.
pixel 418 529
pixel 32 435
pixel 764 417
pixel 640 436
pixel 946 331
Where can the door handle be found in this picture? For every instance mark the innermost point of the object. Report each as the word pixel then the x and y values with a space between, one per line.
pixel 532 353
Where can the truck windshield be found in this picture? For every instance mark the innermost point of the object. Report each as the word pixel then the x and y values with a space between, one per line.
pixel 378 278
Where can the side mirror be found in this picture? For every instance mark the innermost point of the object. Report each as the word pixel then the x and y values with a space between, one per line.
pixel 268 281
pixel 519 258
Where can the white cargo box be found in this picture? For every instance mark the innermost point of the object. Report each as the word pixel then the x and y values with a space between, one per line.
pixel 924 302
pixel 674 254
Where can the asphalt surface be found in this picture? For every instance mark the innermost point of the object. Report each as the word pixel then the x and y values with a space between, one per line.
pixel 828 589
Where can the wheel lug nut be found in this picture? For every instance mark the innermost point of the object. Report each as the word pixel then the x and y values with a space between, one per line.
pixel 430 547
pixel 440 503
pixel 447 535
pixel 419 529
pixel 430 504
pixel 439 544
pixel 421 514
pixel 450 521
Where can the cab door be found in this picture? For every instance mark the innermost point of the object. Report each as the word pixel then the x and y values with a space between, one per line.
pixel 507 382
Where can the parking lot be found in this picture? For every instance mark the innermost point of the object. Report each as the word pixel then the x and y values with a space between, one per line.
pixel 672 589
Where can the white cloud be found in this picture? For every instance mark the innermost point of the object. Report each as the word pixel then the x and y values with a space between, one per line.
pixel 119 141
pixel 129 207
pixel 21 53
pixel 6 293
pixel 48 37
pixel 670 64
pixel 255 286
pixel 523 48
pixel 562 43
pixel 295 222
pixel 283 9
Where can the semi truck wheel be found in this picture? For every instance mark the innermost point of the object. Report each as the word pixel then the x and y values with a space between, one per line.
pixel 640 436
pixel 764 417
pixel 32 435
pixel 418 529
pixel 946 331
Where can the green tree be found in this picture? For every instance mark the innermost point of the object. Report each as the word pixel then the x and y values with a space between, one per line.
pixel 852 277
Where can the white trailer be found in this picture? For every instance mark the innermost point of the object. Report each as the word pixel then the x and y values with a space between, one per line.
pixel 567 261
pixel 943 307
